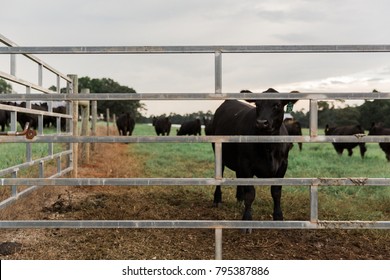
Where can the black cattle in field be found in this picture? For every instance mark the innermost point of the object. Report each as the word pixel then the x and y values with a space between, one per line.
pixel 4 117
pixel 192 127
pixel 293 128
pixel 377 129
pixel 263 160
pixel 60 110
pixel 162 125
pixel 208 125
pixel 346 130
pixel 125 124
pixel 32 119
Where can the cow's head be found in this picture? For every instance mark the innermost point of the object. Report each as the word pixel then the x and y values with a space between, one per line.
pixel 269 113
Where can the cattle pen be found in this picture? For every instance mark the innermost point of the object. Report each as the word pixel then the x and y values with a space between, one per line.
pixel 72 139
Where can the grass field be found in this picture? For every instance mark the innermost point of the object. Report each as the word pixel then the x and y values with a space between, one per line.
pixel 315 160
pixel 185 160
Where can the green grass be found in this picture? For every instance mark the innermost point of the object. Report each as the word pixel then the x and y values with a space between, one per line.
pixel 185 160
pixel 196 160
pixel 15 153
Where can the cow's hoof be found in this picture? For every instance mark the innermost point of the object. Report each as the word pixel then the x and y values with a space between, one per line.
pixel 246 231
pixel 278 216
pixel 217 204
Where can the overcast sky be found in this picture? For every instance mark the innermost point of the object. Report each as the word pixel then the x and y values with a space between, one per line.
pixel 201 22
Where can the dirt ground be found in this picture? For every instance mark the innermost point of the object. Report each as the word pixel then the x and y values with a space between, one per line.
pixel 114 160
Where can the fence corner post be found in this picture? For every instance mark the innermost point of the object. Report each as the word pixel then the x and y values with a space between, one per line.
pixel 75 113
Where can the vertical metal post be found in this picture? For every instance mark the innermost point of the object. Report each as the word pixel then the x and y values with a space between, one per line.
pixel 14 189
pixel 40 74
pixel 94 121
pixel 85 127
pixel 13 65
pixel 313 118
pixel 313 203
pixel 218 244
pixel 218 73
pixel 75 112
pixel 58 84
pixel 41 169
pixel 40 124
pixel 59 169
pixel 108 120
pixel 14 122
pixel 28 145
pixel 218 160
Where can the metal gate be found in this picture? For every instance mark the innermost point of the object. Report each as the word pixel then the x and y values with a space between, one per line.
pixel 218 94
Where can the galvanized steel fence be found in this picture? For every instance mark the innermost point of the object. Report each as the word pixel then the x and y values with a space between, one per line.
pixel 313 183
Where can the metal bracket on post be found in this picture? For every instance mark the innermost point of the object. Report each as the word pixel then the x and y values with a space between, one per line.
pixel 29 133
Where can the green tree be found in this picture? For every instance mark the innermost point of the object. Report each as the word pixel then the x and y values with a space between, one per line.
pixel 106 85
pixel 5 87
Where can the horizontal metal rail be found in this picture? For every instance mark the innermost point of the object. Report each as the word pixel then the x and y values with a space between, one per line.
pixel 34 162
pixel 198 96
pixel 326 182
pixel 196 49
pixel 30 189
pixel 32 111
pixel 22 82
pixel 10 43
pixel 194 224
pixel 359 138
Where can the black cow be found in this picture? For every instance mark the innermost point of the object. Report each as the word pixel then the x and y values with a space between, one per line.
pixel 162 125
pixel 378 129
pixel 263 160
pixel 293 128
pixel 60 110
pixel 4 117
pixel 32 119
pixel 192 127
pixel 125 124
pixel 208 125
pixel 346 130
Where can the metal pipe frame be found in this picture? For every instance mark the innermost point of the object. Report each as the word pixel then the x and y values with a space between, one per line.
pixel 313 183
pixel 192 224
pixel 66 138
pixel 198 96
pixel 147 182
pixel 197 49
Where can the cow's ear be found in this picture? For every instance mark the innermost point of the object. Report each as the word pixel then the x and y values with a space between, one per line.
pixel 290 105
pixel 248 91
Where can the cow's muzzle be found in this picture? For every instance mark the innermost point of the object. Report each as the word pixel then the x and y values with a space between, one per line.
pixel 263 125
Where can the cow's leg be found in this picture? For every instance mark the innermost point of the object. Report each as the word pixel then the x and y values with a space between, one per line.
pixel 276 192
pixel 218 192
pixel 350 152
pixel 247 193
pixel 363 149
pixel 249 197
pixel 240 193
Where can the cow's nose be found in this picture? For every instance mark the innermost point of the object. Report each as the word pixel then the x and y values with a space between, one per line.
pixel 262 124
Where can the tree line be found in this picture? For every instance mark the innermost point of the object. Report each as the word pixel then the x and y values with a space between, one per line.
pixel 367 113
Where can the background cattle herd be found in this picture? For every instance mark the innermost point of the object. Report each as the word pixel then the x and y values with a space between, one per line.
pixel 126 123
